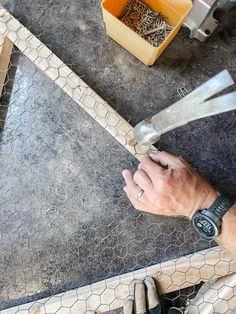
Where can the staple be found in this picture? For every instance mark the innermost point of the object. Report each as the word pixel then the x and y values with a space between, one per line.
pixel 182 91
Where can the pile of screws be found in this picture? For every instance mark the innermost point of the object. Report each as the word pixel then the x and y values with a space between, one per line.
pixel 148 24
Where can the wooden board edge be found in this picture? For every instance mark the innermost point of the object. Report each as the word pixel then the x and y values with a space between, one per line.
pixel 5 56
pixel 111 293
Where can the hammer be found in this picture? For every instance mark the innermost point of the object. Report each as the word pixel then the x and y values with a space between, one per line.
pixel 194 106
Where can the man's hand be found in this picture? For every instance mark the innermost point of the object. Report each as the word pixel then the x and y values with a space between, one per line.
pixel 170 186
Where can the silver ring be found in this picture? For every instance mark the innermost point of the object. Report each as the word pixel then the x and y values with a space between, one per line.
pixel 139 195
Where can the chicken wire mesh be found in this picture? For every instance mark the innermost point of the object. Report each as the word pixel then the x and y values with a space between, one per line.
pixel 65 222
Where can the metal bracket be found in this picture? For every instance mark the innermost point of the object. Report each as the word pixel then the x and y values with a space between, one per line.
pixel 201 21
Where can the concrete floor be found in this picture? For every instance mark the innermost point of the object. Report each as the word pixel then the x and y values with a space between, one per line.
pixel 64 219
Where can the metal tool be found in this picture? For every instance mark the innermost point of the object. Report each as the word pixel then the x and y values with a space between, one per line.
pixel 192 107
pixel 201 21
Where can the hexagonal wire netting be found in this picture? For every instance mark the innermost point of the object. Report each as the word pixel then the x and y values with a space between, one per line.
pixel 65 222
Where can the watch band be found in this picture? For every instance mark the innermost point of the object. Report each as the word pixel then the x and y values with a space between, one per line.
pixel 221 205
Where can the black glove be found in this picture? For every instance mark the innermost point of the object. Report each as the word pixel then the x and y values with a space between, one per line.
pixel 147 300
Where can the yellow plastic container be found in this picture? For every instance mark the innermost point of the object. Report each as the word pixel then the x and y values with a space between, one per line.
pixel 175 10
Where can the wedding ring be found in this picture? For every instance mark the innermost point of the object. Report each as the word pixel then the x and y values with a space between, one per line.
pixel 139 195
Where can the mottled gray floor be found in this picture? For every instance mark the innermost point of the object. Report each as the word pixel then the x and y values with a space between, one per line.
pixel 64 219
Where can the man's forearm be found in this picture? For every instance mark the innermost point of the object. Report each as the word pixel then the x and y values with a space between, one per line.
pixel 227 238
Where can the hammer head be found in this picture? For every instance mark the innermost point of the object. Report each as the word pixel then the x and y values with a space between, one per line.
pixel 145 134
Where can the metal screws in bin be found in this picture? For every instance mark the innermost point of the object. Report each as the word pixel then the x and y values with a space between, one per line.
pixel 150 25
pixel 137 43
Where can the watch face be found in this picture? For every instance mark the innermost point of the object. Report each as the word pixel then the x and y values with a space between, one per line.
pixel 205 226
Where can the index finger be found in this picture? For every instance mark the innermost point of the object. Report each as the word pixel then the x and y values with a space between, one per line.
pixel 165 159
pixel 150 167
pixel 127 175
pixel 140 298
pixel 152 295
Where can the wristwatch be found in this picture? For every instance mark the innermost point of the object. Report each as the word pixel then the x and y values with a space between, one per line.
pixel 208 222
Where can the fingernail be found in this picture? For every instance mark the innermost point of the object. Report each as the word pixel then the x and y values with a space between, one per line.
pixel 154 153
pixel 124 172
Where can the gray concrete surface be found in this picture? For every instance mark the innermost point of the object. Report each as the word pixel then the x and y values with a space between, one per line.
pixel 64 219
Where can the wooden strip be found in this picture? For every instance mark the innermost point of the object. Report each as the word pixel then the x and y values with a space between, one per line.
pixel 71 83
pixel 5 55
pixel 216 296
pixel 110 294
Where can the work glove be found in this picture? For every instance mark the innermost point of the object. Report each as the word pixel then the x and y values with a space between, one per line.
pixel 147 300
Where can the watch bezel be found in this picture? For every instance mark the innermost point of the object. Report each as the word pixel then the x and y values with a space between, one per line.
pixel 210 220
